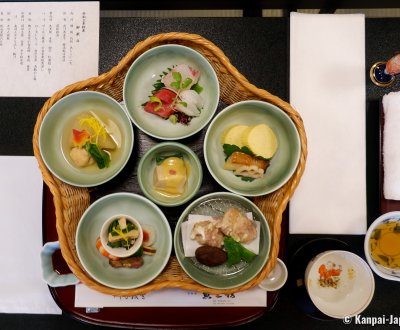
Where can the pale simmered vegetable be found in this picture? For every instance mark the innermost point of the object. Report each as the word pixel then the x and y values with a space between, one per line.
pixel 261 140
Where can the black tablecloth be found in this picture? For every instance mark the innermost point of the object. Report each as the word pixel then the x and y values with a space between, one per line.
pixel 259 49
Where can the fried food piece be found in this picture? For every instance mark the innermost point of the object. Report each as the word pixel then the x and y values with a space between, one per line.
pixel 206 233
pixel 236 225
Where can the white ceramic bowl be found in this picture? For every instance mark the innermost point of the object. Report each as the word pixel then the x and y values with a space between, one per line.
pixel 121 252
pixel 355 284
pixel 379 269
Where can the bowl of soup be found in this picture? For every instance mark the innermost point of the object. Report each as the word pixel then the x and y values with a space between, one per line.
pixel 382 246
pixel 86 138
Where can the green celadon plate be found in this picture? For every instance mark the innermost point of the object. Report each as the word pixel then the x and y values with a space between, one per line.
pixel 147 166
pixel 144 72
pixel 143 210
pixel 223 276
pixel 54 129
pixel 282 164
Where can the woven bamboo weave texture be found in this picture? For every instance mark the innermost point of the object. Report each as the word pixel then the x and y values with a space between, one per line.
pixel 70 202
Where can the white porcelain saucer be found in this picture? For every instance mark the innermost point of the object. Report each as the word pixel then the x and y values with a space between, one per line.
pixel 276 278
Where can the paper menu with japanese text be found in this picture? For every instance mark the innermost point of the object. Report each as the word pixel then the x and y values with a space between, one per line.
pixel 86 297
pixel 45 46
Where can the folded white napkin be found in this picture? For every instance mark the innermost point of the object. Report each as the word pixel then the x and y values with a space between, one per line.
pixel 327 87
pixel 22 289
pixel 391 146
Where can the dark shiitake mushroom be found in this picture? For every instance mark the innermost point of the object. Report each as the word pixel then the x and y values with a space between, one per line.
pixel 210 256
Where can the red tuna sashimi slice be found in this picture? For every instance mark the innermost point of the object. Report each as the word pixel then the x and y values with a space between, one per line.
pixel 165 95
pixel 165 111
pixel 167 98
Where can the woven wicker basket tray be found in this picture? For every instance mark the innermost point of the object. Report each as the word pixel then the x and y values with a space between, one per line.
pixel 70 202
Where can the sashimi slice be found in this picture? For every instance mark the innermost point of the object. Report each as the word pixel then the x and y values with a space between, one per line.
pixel 166 95
pixel 190 104
pixel 165 109
pixel 186 72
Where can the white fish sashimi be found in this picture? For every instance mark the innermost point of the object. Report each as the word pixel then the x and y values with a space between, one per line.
pixel 186 72
pixel 190 103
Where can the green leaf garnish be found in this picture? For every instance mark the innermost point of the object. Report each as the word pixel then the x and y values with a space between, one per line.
pixel 186 83
pixel 178 78
pixel 183 104
pixel 237 252
pixel 229 149
pixel 232 250
pixel 197 88
pixel 175 84
pixel 158 85
pixel 247 179
pixel 155 99
pixel 173 119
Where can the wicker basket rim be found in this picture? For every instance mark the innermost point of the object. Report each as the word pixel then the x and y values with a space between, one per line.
pixel 61 191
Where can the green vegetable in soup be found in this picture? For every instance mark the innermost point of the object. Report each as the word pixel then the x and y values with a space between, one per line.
pixel 101 157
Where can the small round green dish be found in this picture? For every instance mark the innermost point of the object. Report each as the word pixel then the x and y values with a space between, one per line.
pixel 282 164
pixel 147 167
pixel 223 276
pixel 144 72
pixel 97 266
pixel 54 130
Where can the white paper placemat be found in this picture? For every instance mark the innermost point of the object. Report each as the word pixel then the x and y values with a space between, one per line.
pixel 86 297
pixel 327 87
pixel 22 289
